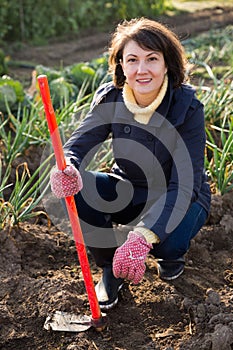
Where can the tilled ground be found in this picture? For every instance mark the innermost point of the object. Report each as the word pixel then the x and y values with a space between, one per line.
pixel 40 273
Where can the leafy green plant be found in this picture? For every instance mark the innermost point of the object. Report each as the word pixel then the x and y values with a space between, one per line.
pixel 74 82
pixel 212 47
pixel 25 195
pixel 4 177
pixel 220 164
pixel 216 99
pixel 12 136
pixel 11 93
pixel 29 127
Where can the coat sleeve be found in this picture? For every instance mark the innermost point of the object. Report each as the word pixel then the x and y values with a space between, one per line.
pixel 186 176
pixel 92 132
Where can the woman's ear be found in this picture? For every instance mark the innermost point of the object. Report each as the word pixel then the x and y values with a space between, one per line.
pixel 121 64
pixel 119 74
pixel 119 69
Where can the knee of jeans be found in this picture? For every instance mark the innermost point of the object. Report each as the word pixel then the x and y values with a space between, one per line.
pixel 169 252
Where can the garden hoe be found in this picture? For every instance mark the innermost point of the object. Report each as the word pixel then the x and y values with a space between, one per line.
pixel 63 321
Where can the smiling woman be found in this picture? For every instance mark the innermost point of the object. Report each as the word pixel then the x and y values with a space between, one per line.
pixel 157 184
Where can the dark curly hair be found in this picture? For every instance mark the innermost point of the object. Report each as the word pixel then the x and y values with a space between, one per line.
pixel 150 35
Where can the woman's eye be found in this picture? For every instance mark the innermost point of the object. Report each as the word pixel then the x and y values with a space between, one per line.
pixel 153 58
pixel 131 60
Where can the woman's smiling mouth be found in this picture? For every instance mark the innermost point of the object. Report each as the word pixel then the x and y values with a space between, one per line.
pixel 143 81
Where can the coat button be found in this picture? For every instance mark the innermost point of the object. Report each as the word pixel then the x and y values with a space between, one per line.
pixel 127 129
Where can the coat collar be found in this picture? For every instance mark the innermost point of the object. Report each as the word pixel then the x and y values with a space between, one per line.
pixel 173 107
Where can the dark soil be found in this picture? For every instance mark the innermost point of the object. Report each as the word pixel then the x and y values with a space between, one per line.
pixel 40 272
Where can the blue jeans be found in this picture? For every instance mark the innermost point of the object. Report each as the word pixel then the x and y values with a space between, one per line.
pixel 97 224
pixel 178 242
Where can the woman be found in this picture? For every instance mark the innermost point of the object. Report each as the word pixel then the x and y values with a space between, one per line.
pixel 157 184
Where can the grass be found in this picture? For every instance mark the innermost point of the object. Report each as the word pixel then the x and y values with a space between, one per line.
pixel 18 132
pixel 211 56
pixel 25 195
pixel 220 165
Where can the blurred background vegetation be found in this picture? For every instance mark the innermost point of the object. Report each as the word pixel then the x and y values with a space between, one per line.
pixel 38 21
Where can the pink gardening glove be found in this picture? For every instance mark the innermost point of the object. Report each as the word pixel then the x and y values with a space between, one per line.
pixel 65 182
pixel 129 259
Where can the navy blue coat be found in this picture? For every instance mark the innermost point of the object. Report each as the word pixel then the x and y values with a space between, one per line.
pixel 164 160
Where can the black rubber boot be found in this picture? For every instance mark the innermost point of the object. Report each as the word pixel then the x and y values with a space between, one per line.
pixel 170 269
pixel 107 289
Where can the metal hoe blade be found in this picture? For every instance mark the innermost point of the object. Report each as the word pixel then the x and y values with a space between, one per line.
pixel 67 322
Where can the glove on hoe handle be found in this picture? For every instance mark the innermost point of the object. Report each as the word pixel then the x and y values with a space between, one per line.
pixel 129 259
pixel 65 183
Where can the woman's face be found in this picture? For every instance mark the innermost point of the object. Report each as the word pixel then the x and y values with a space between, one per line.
pixel 144 71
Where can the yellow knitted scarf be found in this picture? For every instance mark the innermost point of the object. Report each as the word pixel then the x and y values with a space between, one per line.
pixel 143 114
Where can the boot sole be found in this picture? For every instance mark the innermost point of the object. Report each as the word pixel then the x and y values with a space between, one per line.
pixel 170 278
pixel 112 304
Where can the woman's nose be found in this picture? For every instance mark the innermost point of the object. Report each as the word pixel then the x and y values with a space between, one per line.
pixel 141 67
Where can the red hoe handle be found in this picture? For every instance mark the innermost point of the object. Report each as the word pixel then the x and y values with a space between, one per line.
pixel 70 202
